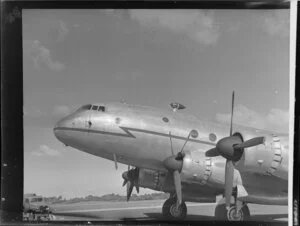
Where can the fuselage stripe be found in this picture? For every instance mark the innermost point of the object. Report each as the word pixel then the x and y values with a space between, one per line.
pixel 126 129
pixel 129 134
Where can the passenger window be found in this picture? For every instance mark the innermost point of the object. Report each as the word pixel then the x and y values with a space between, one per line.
pixel 101 108
pixel 212 137
pixel 194 133
pixel 95 107
pixel 165 119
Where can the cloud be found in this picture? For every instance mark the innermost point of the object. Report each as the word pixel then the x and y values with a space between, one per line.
pixel 61 110
pixel 45 118
pixel 276 119
pixel 62 31
pixel 41 55
pixel 34 112
pixel 278 23
pixel 196 24
pixel 44 150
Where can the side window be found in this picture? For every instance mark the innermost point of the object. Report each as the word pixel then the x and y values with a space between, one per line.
pixel 94 107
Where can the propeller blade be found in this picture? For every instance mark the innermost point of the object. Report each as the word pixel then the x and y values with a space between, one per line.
pixel 171 142
pixel 212 152
pixel 177 182
pixel 229 170
pixel 250 143
pixel 129 189
pixel 136 179
pixel 125 175
pixel 124 183
pixel 232 108
pixel 185 142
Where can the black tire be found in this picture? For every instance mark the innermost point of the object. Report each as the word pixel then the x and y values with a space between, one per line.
pixel 166 207
pixel 182 211
pixel 221 212
pixel 246 212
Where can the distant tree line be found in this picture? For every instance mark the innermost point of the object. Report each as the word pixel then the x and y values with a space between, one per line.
pixel 106 198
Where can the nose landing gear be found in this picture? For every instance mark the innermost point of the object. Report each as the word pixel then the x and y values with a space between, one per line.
pixel 171 209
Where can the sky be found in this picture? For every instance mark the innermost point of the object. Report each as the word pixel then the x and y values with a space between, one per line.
pixel 145 57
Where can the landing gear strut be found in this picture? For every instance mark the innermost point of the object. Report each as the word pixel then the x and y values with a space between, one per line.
pixel 171 209
pixel 241 214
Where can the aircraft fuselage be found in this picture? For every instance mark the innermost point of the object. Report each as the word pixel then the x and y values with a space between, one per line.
pixel 142 137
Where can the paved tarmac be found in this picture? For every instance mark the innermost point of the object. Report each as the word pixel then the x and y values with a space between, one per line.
pixel 151 210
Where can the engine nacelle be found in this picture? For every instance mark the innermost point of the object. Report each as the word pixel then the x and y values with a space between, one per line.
pixel 270 158
pixel 199 169
pixel 159 181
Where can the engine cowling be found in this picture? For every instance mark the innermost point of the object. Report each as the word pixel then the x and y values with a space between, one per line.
pixel 270 158
pixel 159 181
pixel 162 181
pixel 202 170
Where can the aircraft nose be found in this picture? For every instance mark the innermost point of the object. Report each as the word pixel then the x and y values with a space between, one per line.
pixel 63 123
pixel 62 126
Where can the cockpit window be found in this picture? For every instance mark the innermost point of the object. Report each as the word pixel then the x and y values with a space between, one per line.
pixel 86 107
pixel 101 108
pixel 95 107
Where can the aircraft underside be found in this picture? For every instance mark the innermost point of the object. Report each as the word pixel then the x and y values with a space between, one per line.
pixel 202 193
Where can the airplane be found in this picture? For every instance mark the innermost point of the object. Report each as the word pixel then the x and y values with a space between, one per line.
pixel 192 159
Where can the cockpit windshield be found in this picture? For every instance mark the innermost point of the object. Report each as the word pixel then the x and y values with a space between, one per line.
pixel 86 107
pixel 92 107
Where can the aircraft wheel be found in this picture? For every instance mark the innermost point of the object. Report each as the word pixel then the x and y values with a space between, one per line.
pixel 178 212
pixel 242 215
pixel 222 214
pixel 166 207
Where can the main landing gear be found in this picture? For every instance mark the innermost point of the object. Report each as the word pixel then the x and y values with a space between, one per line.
pixel 171 209
pixel 234 213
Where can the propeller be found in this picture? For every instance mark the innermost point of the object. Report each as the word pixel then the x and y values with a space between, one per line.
pixel 131 178
pixel 174 164
pixel 232 149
